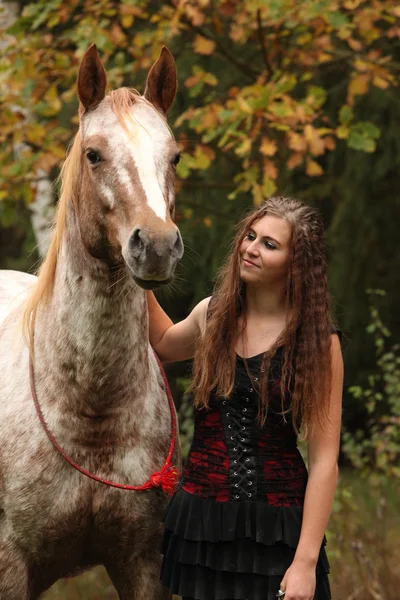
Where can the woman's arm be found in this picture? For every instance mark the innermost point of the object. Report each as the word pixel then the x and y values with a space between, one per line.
pixel 174 342
pixel 323 450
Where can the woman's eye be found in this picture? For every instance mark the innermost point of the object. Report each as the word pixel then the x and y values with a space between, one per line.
pixel 270 246
pixel 251 236
pixel 93 157
pixel 176 159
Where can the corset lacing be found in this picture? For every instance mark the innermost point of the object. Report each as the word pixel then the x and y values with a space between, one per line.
pixel 238 420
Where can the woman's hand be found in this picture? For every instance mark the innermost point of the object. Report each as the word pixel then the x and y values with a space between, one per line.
pixel 299 581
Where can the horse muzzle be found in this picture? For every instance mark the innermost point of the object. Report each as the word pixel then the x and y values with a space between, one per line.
pixel 152 257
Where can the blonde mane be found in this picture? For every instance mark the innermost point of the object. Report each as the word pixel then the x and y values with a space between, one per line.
pixel 121 101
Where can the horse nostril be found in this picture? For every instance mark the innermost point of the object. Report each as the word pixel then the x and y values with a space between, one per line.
pixel 136 242
pixel 135 238
pixel 178 243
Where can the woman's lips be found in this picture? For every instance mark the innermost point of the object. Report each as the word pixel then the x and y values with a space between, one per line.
pixel 248 263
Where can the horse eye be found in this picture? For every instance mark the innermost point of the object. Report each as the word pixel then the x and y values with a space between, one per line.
pixel 93 157
pixel 176 159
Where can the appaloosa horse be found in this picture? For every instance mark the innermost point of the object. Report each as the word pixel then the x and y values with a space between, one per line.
pixel 93 373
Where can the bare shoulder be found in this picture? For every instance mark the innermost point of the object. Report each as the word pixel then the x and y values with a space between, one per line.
pixel 336 347
pixel 200 313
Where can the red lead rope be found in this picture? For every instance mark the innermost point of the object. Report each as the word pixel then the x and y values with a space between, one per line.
pixel 166 478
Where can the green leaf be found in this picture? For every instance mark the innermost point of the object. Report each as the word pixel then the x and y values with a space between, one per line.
pixel 183 168
pixel 262 98
pixel 359 142
pixel 362 136
pixel 268 187
pixel 346 114
pixel 319 95
pixel 337 19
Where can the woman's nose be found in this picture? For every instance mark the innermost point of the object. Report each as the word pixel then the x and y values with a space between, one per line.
pixel 253 248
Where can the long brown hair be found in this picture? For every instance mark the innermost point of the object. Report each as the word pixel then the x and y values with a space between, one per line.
pixel 306 344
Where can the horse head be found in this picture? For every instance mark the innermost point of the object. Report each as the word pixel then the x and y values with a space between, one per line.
pixel 128 158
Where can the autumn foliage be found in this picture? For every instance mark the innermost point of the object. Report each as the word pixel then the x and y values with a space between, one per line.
pixel 257 80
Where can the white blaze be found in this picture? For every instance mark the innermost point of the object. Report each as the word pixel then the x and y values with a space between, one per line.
pixel 144 141
pixel 148 146
pixel 108 194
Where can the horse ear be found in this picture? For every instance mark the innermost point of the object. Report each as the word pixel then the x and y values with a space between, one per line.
pixel 92 79
pixel 161 81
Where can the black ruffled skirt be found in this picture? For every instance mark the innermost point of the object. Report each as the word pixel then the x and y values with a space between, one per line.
pixel 236 550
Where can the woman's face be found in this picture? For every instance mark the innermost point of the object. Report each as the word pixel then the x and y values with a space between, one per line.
pixel 265 251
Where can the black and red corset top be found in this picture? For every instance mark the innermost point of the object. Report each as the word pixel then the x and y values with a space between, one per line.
pixel 233 458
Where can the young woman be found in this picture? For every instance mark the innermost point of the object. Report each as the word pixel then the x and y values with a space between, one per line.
pixel 248 521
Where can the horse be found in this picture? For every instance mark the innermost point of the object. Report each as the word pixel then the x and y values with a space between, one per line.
pixel 76 340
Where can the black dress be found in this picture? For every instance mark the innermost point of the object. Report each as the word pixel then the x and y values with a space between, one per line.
pixel 232 528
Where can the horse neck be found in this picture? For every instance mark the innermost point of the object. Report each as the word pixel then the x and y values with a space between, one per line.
pixel 91 338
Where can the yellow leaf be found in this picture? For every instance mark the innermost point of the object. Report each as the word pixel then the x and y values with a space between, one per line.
pixel 324 57
pixel 207 222
pixel 364 22
pixel 357 87
pixel 237 33
pixel 315 143
pixel 268 147
pixel 342 132
pixel 270 169
pixel 117 35
pixel 202 159
pixel 209 152
pixel 330 143
pixel 209 119
pixel 244 105
pixel 202 45
pixel 192 80
pixel 127 21
pixel 295 160
pixel 185 116
pixel 195 16
pixel 313 169
pixel 244 148
pixel 68 95
pixel 324 130
pixel 301 114
pixel 296 141
pixel 58 151
pixel 352 4
pixel 343 33
pixel 354 44
pixel 380 82
pixel 361 65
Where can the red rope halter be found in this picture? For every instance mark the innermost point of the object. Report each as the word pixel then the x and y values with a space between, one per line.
pixel 166 477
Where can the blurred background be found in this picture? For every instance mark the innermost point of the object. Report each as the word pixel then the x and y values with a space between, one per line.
pixel 275 96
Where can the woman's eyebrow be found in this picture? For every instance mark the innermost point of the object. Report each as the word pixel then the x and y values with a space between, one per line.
pixel 269 237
